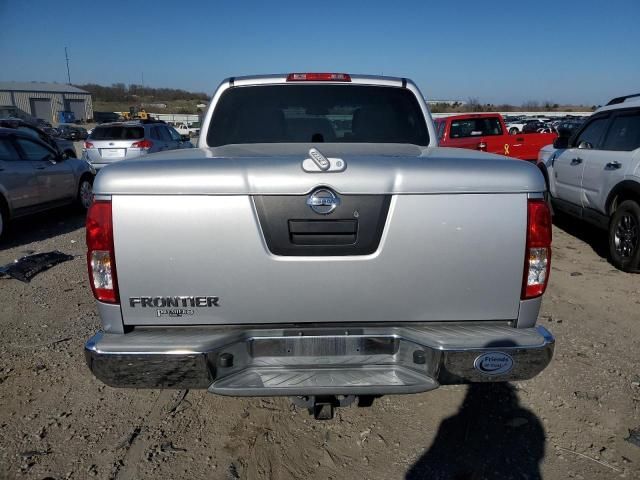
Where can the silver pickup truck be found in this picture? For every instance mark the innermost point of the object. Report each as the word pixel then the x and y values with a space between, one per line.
pixel 318 245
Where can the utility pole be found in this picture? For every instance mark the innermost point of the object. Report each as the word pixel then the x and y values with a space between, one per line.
pixel 142 89
pixel 66 56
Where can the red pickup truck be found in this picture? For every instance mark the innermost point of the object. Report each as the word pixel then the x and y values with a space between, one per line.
pixel 487 132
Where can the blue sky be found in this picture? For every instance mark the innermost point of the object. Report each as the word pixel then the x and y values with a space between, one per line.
pixel 498 51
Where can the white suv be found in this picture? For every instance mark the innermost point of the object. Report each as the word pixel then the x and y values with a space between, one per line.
pixel 595 175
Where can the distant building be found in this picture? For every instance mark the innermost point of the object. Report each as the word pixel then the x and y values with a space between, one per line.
pixel 154 105
pixel 45 100
pixel 446 102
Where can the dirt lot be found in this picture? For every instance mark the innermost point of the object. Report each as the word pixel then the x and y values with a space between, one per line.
pixel 579 419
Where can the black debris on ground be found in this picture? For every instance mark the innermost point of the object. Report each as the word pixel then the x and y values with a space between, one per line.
pixel 634 437
pixel 27 267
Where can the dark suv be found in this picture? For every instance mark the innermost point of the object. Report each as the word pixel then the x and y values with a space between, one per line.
pixel 59 144
pixel 72 132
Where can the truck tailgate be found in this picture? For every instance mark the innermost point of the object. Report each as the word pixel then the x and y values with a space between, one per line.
pixel 204 259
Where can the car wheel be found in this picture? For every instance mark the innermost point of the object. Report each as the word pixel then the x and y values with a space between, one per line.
pixel 4 217
pixel 513 131
pixel 624 237
pixel 85 192
pixel 2 221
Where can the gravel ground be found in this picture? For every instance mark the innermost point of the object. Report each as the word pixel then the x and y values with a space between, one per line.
pixel 578 419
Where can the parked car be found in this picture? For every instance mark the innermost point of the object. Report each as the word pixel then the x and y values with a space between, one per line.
pixel 52 132
pixel 288 257
pixel 518 126
pixel 192 129
pixel 112 142
pixel 105 117
pixel 594 175
pixel 511 119
pixel 487 132
pixel 39 122
pixel 541 118
pixel 72 132
pixel 535 127
pixel 48 135
pixel 569 126
pixel 515 126
pixel 34 176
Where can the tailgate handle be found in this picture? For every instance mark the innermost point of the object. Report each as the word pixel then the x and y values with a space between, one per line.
pixel 323 232
pixel 320 227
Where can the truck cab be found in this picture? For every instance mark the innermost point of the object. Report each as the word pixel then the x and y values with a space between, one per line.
pixel 487 132
pixel 189 129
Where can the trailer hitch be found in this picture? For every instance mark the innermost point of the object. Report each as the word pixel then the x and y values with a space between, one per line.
pixel 322 407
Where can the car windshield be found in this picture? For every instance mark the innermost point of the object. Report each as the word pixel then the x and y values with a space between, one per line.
pixel 117 133
pixel 317 113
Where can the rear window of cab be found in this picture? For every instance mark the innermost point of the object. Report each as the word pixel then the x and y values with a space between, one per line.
pixel 475 127
pixel 317 113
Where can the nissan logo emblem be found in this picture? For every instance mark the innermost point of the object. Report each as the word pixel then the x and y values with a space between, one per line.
pixel 323 201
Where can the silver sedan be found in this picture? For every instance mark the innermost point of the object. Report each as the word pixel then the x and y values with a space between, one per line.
pixel 35 177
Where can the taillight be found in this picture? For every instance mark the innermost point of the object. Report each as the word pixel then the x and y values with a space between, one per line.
pixel 100 253
pixel 318 77
pixel 537 262
pixel 143 144
pixel 88 145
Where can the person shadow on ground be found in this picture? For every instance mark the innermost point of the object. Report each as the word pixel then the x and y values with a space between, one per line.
pixel 491 437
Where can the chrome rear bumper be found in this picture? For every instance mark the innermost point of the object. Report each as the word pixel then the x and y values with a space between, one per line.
pixel 318 361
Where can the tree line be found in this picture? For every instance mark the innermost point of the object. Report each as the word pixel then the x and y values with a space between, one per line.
pixel 119 92
pixel 474 105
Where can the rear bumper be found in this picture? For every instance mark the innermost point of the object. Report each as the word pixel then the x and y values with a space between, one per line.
pixel 318 361
pixel 98 162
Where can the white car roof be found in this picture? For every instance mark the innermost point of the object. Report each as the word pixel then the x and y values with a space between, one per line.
pixel 629 102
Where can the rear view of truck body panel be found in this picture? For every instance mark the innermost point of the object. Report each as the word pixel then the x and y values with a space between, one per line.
pixel 318 244
pixel 437 260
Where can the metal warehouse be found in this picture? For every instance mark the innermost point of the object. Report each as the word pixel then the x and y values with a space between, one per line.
pixel 44 100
